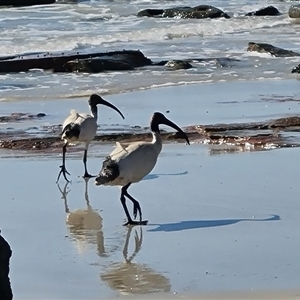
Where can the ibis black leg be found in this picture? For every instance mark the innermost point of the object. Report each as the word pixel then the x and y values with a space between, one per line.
pixel 136 207
pixel 123 201
pixel 63 169
pixel 86 174
pixel 136 204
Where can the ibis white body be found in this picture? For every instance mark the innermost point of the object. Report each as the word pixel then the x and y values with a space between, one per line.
pixel 135 160
pixel 87 124
pixel 130 163
pixel 82 128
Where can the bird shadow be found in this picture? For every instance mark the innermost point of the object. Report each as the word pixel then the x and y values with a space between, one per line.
pixel 194 224
pixel 154 176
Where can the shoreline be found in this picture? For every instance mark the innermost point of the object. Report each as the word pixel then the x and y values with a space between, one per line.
pixel 223 114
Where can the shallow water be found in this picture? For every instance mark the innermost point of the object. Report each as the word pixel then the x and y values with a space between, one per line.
pixel 216 234
pixel 204 104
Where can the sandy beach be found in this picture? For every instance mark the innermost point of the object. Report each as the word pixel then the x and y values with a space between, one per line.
pixel 221 223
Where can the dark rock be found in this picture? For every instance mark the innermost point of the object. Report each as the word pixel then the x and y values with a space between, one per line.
pixel 266 11
pixel 268 48
pixel 58 62
pixel 222 62
pixel 41 115
pixel 185 12
pixel 5 254
pixel 98 64
pixel 296 69
pixel 16 117
pixel 178 65
pixel 294 11
pixel 285 122
pixel 25 2
pixel 150 12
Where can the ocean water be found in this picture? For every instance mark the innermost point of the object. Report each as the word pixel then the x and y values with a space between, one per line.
pixel 96 26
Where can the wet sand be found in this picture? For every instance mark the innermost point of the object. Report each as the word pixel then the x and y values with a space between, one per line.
pixel 222 222
pixel 217 223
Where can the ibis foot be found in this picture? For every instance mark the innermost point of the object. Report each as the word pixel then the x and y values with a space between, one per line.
pixel 63 171
pixel 87 175
pixel 134 223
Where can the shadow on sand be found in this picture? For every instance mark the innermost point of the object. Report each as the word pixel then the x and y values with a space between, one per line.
pixel 194 224
pixel 154 176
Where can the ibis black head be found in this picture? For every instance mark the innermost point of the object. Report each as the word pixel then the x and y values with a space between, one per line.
pixel 159 118
pixel 95 99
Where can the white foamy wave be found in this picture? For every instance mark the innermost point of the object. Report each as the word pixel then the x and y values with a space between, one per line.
pixel 86 28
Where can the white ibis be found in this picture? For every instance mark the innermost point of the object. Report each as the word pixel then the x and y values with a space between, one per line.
pixel 130 163
pixel 82 128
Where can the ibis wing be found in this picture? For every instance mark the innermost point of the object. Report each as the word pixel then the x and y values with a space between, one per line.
pixel 122 149
pixel 74 115
pixel 136 161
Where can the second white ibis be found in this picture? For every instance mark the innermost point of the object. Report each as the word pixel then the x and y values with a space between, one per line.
pixel 130 163
pixel 82 128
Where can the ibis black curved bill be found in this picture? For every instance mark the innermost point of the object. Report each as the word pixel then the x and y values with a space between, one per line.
pixel 99 100
pixel 173 125
pixel 159 118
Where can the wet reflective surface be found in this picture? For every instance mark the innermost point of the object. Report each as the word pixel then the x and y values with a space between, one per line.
pixel 130 277
pixel 240 116
pixel 217 222
pixel 211 227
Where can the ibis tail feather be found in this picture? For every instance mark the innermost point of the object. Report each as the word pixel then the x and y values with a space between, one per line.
pixel 109 172
pixel 72 130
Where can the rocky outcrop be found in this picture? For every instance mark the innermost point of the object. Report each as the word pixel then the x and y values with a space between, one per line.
pixel 125 60
pixel 5 254
pixel 201 12
pixel 185 12
pixel 99 64
pixel 18 117
pixel 294 11
pixel 296 69
pixel 268 48
pixel 266 11
pixel 25 2
pixel 64 62
pixel 222 62
pixel 178 65
pixel 258 134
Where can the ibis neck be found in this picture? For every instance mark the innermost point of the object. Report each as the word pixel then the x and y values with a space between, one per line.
pixel 157 141
pixel 94 111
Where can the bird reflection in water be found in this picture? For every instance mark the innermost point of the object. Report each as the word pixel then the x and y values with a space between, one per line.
pixel 131 277
pixel 85 225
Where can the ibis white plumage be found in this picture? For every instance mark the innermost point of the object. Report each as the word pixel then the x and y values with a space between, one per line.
pixel 82 128
pixel 130 163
